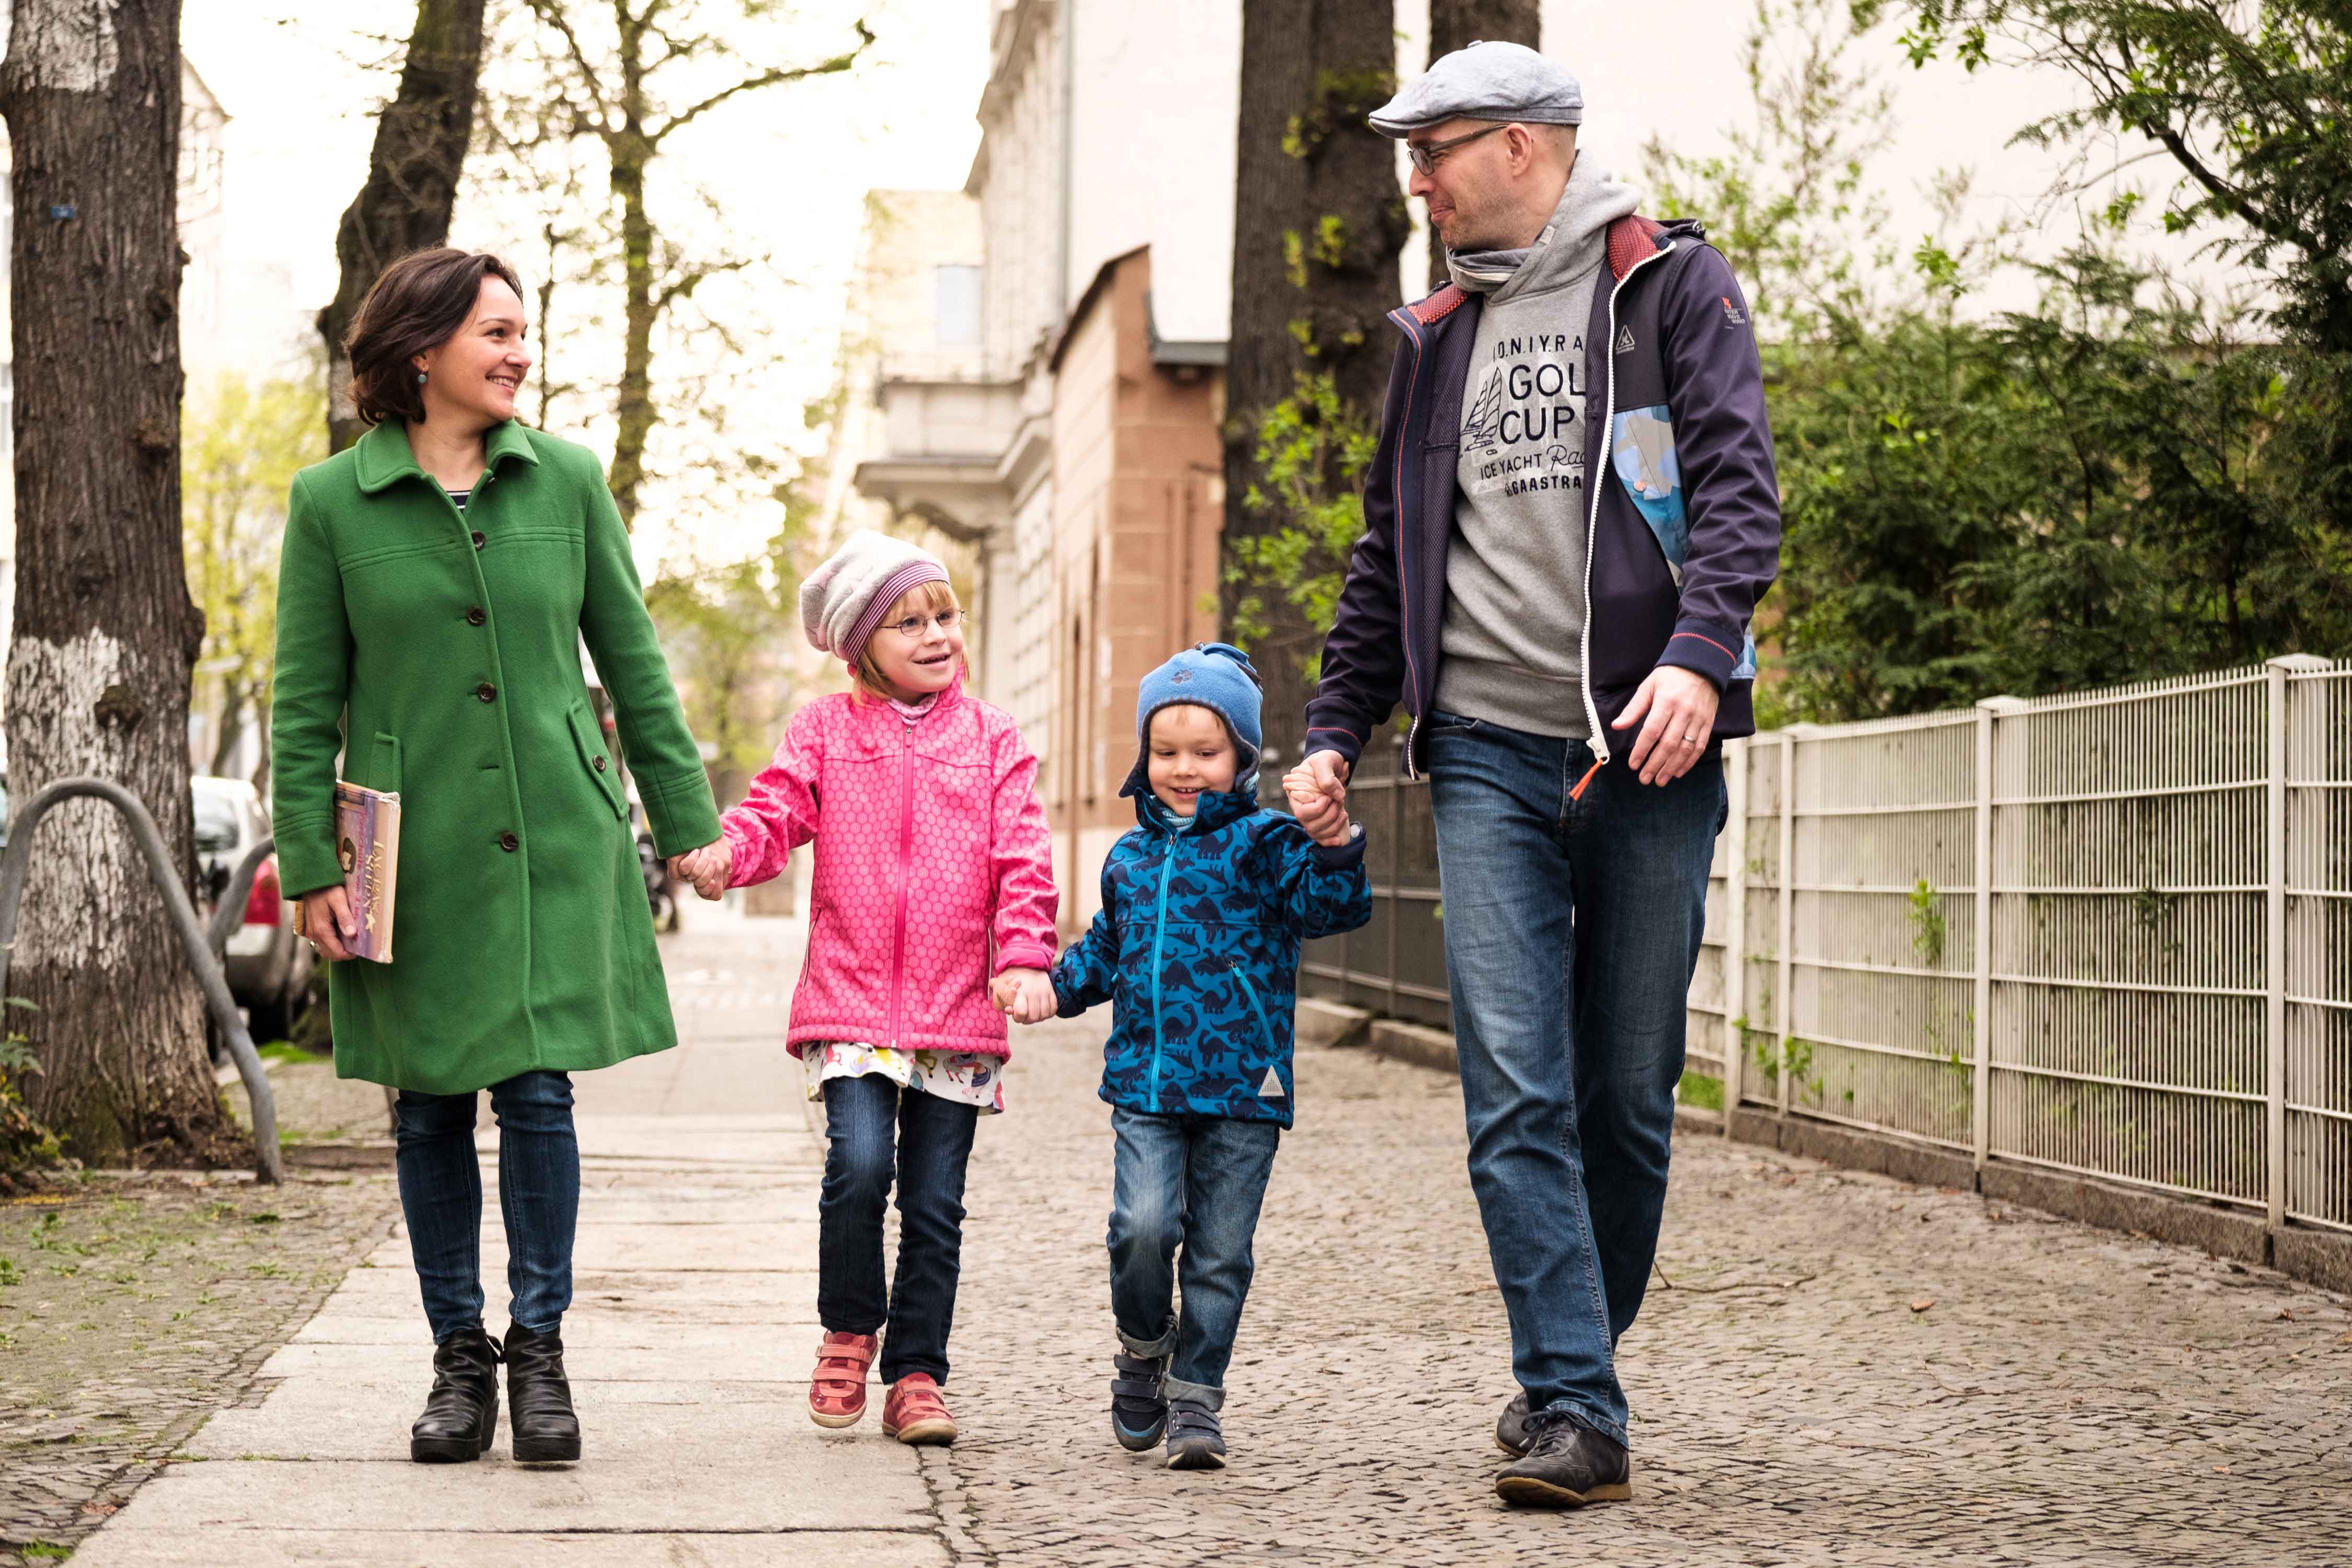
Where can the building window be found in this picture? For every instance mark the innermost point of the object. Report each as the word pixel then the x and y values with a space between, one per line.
pixel 958 306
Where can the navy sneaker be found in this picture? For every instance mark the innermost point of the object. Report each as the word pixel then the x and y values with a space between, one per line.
pixel 1195 1440
pixel 1139 1410
pixel 1567 1466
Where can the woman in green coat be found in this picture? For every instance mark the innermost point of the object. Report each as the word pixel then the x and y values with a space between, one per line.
pixel 436 582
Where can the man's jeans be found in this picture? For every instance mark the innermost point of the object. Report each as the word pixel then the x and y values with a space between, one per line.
pixel 1571 929
pixel 539 1196
pixel 1197 1180
pixel 933 1139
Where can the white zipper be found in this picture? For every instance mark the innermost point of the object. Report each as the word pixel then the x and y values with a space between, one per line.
pixel 1592 519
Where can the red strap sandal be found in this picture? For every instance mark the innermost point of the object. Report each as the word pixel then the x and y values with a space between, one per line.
pixel 837 1389
pixel 914 1412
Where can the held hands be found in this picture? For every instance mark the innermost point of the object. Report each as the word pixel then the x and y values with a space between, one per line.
pixel 328 922
pixel 1680 708
pixel 707 867
pixel 1318 789
pixel 1024 995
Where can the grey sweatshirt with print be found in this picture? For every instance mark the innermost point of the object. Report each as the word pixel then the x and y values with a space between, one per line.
pixel 1515 600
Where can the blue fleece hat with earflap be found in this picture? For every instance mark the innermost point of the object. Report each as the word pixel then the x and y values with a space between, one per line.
pixel 1212 674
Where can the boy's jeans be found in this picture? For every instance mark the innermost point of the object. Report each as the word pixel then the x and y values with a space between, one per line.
pixel 539 1196
pixel 933 1140
pixel 1197 1180
pixel 1571 929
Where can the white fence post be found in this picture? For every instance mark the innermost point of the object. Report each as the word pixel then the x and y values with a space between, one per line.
pixel 1735 931
pixel 1988 713
pixel 1787 1021
pixel 1980 1007
pixel 2274 955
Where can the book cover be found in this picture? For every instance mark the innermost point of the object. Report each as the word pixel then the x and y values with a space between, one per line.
pixel 367 845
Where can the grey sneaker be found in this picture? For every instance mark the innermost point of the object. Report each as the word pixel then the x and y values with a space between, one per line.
pixel 1195 1440
pixel 1567 1466
pixel 1511 1426
pixel 1139 1410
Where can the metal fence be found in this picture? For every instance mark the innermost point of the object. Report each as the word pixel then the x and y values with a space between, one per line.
pixel 2107 933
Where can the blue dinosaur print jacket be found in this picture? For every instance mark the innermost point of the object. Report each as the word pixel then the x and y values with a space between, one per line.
pixel 1196 948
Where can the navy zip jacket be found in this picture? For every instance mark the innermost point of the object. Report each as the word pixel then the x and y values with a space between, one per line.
pixel 1196 948
pixel 1682 531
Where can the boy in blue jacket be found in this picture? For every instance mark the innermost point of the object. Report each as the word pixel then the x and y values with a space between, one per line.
pixel 1204 906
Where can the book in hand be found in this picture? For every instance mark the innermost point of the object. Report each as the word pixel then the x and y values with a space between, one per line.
pixel 367 845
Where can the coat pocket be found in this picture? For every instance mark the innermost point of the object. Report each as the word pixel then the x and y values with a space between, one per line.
pixel 384 764
pixel 597 758
pixel 1265 1080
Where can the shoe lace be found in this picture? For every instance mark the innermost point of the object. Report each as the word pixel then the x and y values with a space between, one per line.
pixel 1549 1432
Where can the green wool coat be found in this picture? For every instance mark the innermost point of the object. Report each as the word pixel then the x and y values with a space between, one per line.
pixel 448 646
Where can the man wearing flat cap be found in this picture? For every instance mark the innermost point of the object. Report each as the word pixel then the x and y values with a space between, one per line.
pixel 1567 523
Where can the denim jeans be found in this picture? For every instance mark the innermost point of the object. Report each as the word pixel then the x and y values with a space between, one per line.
pixel 933 1140
pixel 1197 1180
pixel 539 1196
pixel 1572 930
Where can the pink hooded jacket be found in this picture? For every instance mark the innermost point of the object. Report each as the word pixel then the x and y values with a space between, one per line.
pixel 930 845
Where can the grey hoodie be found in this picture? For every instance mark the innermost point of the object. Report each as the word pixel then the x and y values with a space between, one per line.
pixel 1514 574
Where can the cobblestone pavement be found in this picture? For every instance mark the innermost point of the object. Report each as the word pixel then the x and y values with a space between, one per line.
pixel 131 1311
pixel 1844 1370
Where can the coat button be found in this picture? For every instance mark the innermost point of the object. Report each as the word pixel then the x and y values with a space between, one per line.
pixel 479 540
pixel 509 843
pixel 475 615
pixel 486 692
pixel 599 764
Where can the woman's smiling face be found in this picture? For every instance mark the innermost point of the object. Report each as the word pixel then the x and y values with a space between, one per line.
pixel 918 647
pixel 475 377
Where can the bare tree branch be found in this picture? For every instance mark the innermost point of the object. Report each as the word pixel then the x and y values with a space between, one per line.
pixel 772 78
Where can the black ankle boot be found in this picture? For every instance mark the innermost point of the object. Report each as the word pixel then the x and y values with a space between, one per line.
pixel 539 1397
pixel 461 1414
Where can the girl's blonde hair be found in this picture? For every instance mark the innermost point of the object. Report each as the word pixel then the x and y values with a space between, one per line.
pixel 866 681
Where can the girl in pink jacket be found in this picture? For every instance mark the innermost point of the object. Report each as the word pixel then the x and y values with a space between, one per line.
pixel 930 917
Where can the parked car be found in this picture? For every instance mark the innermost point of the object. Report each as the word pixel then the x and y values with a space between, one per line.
pixel 268 966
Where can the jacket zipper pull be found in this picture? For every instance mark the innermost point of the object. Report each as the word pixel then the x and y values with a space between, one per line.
pixel 1578 793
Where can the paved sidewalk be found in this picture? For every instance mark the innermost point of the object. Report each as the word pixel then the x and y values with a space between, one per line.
pixel 689 1342
pixel 1832 1369
pixel 2071 1395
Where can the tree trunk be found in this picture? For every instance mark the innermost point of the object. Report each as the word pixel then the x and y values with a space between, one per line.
pixel 1458 23
pixel 411 180
pixel 635 415
pixel 231 727
pixel 106 635
pixel 1318 220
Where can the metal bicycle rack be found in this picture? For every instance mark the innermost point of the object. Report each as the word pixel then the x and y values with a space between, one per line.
pixel 203 947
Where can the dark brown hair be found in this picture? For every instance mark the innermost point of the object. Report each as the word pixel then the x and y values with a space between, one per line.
pixel 419 303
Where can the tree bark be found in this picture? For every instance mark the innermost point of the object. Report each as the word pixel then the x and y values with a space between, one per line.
pixel 411 180
pixel 1458 23
pixel 1318 221
pixel 106 635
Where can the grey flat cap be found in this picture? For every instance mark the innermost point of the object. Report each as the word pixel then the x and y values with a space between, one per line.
pixel 1484 81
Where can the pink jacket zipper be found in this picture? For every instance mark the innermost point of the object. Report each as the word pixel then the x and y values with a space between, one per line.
pixel 905 874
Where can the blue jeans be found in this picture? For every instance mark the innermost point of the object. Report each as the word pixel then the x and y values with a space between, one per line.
pixel 933 1140
pixel 1197 1181
pixel 539 1196
pixel 1571 929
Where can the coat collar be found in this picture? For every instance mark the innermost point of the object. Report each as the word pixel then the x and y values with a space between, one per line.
pixel 384 460
pixel 1209 814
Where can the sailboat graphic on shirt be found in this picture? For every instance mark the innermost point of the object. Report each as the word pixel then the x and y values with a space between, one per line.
pixel 1480 426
